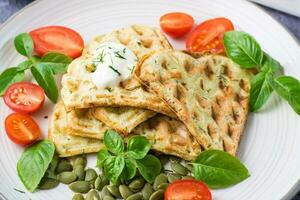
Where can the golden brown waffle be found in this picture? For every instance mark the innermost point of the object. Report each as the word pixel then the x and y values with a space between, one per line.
pixel 85 122
pixel 81 122
pixel 68 145
pixel 122 119
pixel 209 94
pixel 78 90
pixel 166 135
pixel 169 136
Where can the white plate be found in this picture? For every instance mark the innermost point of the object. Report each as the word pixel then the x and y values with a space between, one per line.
pixel 270 147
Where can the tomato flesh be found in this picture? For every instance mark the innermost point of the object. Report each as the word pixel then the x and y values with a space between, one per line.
pixel 21 129
pixel 208 36
pixel 57 39
pixel 176 24
pixel 24 97
pixel 187 190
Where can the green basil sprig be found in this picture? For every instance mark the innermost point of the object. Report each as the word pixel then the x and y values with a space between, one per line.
pixel 34 162
pixel 219 169
pixel 43 69
pixel 243 49
pixel 120 162
pixel 288 88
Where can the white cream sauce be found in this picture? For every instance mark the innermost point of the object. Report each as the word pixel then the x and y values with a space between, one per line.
pixel 114 63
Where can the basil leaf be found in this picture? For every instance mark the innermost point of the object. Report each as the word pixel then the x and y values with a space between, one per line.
pixel 113 141
pixel 10 76
pixel 101 157
pixel 149 167
pixel 24 65
pixel 243 49
pixel 35 59
pixel 260 90
pixel 138 147
pixel 56 61
pixel 129 170
pixel 44 76
pixel 113 167
pixel 288 88
pixel 34 162
pixel 270 64
pixel 219 169
pixel 24 44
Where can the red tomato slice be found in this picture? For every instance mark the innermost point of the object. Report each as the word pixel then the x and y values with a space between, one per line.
pixel 176 24
pixel 22 129
pixel 57 39
pixel 24 97
pixel 187 190
pixel 208 36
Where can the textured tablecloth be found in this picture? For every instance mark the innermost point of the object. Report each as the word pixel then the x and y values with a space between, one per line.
pixel 292 23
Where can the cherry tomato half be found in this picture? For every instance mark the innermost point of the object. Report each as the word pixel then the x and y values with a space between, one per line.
pixel 24 97
pixel 208 36
pixel 21 128
pixel 57 39
pixel 188 189
pixel 176 24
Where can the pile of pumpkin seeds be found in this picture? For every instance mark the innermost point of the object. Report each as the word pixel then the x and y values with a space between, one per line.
pixel 87 184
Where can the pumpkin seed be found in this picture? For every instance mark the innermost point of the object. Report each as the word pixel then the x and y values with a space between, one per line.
pixel 50 173
pixel 67 177
pixel 158 195
pixel 90 175
pixel 79 171
pixel 179 168
pixel 78 197
pixel 147 191
pixel 163 186
pixel 125 191
pixel 161 178
pixel 63 166
pixel 189 167
pixel 188 177
pixel 80 186
pixel 48 183
pixel 105 181
pixel 136 184
pixel 105 192
pixel 173 177
pixel 136 196
pixel 174 159
pixel 114 190
pixel 92 195
pixel 80 160
pixel 108 198
pixel 99 183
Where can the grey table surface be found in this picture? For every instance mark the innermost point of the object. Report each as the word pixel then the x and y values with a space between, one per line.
pixel 292 23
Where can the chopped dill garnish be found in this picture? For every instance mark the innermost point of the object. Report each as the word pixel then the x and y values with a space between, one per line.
pixel 132 68
pixel 100 57
pixel 124 50
pixel 118 55
pixel 109 89
pixel 139 43
pixel 114 70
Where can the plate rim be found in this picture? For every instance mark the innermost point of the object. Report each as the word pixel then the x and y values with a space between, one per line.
pixel 295 188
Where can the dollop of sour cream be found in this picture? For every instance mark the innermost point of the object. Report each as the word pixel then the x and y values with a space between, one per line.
pixel 114 63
